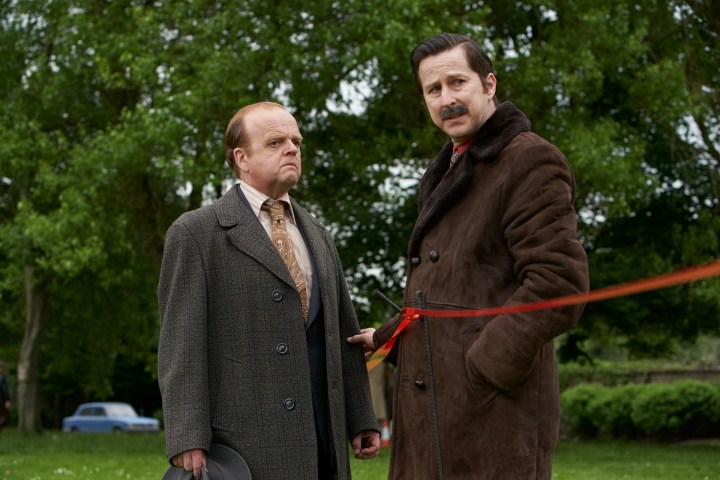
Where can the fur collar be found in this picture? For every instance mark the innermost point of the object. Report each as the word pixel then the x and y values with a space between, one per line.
pixel 441 187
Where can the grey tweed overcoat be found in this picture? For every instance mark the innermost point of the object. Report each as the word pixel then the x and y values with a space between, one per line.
pixel 233 356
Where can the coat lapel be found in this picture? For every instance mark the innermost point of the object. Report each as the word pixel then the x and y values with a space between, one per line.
pixel 319 255
pixel 443 186
pixel 247 234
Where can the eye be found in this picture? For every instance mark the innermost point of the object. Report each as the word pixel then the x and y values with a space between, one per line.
pixel 458 81
pixel 297 143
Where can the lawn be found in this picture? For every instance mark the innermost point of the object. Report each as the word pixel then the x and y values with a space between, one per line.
pixel 56 455
pixel 613 460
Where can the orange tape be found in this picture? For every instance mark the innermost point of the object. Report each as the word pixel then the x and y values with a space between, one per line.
pixel 679 277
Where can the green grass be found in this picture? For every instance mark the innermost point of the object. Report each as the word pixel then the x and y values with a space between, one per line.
pixel 56 455
pixel 614 460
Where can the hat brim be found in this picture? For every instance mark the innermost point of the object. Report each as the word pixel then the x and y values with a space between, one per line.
pixel 223 463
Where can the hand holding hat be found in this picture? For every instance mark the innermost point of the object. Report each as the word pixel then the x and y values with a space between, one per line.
pixel 223 463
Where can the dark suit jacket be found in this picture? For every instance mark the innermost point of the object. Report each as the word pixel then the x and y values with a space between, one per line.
pixel 234 359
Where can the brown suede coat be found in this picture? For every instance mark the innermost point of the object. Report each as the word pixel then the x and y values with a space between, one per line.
pixel 497 229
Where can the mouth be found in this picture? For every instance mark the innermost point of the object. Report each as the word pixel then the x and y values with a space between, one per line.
pixel 454 116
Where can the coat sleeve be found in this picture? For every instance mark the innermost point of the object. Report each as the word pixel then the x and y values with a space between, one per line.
pixel 539 224
pixel 182 350
pixel 358 402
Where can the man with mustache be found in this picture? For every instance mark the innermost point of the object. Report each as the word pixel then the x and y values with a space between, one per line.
pixel 254 311
pixel 478 397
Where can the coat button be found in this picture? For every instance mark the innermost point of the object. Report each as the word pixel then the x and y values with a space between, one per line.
pixel 434 256
pixel 277 295
pixel 415 261
pixel 282 349
pixel 420 384
pixel 289 404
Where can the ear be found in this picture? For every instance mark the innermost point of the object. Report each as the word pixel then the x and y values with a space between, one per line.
pixel 240 159
pixel 490 84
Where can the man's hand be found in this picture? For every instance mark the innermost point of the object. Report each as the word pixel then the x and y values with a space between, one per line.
pixel 365 337
pixel 191 461
pixel 366 444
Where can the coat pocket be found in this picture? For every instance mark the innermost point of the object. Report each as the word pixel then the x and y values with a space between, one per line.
pixel 225 436
pixel 483 391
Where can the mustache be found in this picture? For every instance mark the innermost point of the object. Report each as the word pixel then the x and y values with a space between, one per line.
pixel 453 111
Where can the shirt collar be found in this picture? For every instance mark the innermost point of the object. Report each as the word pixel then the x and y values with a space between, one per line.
pixel 461 148
pixel 256 199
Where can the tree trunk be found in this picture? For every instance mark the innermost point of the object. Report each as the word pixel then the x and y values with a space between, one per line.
pixel 28 364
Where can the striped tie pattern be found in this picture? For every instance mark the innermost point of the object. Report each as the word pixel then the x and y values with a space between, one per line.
pixel 454 157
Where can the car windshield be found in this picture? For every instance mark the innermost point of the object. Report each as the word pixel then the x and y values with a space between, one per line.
pixel 120 411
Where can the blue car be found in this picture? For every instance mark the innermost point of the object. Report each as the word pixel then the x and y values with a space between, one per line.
pixel 108 417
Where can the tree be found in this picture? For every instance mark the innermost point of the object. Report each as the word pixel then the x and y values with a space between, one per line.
pixel 60 230
pixel 113 118
pixel 112 127
pixel 628 91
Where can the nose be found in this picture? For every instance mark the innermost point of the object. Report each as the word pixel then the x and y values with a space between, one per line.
pixel 291 147
pixel 447 97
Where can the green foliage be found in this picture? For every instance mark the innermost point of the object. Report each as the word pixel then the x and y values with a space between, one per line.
pixel 574 404
pixel 671 409
pixel 653 79
pixel 611 410
pixel 682 409
pixel 112 125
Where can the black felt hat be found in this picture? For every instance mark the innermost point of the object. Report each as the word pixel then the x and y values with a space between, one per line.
pixel 223 463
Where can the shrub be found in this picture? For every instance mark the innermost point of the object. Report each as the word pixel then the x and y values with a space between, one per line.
pixel 680 409
pixel 611 411
pixel 574 404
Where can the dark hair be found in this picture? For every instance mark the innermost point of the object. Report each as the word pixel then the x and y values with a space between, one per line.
pixel 477 58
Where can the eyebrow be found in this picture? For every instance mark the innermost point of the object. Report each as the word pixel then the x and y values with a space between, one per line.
pixel 449 76
pixel 428 85
pixel 282 136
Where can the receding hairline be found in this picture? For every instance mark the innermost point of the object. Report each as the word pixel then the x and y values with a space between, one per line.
pixel 248 109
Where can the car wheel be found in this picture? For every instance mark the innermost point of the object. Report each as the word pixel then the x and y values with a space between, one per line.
pixel 74 429
pixel 117 429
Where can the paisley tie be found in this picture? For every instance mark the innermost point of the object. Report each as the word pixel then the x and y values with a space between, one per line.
pixel 281 240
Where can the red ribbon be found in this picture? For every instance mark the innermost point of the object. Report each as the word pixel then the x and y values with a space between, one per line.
pixel 653 283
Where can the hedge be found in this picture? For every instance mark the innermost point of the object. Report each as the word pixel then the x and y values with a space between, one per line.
pixel 667 411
